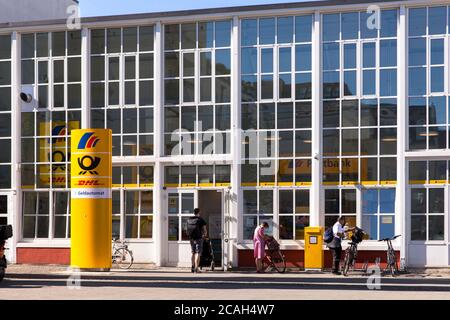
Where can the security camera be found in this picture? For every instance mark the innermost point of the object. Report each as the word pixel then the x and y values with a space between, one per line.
pixel 26 97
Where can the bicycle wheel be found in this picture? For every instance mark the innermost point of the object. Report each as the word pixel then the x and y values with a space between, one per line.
pixel 266 264
pixel 392 261
pixel 347 262
pixel 123 258
pixel 279 262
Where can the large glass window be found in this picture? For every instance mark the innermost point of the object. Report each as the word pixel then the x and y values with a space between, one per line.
pixel 197 86
pixel 360 99
pixel 122 87
pixel 5 111
pixel 428 116
pixel 276 101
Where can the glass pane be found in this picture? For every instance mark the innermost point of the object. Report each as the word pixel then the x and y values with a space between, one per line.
pixel 436 200
pixel 129 39
pixel 113 40
pixel 331 85
pixel 418 200
pixel 350 113
pixel 146 38
pixel 187 202
pixel 267 31
pixel 437 79
pixel 370 201
pixel 387 227
pixel 42 227
pixel 172 37
pixel 348 201
pixel 188 36
pixel 285 29
pixel 388 82
pixel 303 28
pixel 60 227
pixel 27 45
pixel 369 82
pixel 387 201
pixel 250 223
pixel 369 112
pixel 349 83
pixel 146 66
pixel 388 53
pixel 332 201
pixel 418 228
pixel 369 55
pixel 248 32
pixel 223 33
pixel 286 228
pixel 146 227
pixel 388 112
pixel 223 90
pixel 173 226
pixel 417 21
pixel 302 201
pixel 249 60
pixel 388 23
pixel 331 56
pixel 265 201
pixel 223 62
pixel 388 141
pixel 285 201
pixel 205 118
pixel 114 68
pixel 350 56
pixel 436 228
pixel 173 203
pixel 370 226
pixel 437 51
pixel 437 20
pixel 369 141
pixel 350 142
pixel 388 169
pixel 437 170
pixel 303 57
pixel 172 64
pixel 350 24
pixel 205 35
pixel 331 27
pixel 98 41
pixel 417 172
pixel 42 44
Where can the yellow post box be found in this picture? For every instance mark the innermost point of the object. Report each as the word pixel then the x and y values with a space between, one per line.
pixel 313 248
pixel 91 203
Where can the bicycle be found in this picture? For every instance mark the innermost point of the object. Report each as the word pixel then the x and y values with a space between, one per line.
pixel 122 256
pixel 391 260
pixel 274 258
pixel 351 253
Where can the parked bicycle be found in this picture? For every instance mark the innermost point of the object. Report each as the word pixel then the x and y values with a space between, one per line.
pixel 274 258
pixel 351 253
pixel 391 259
pixel 122 256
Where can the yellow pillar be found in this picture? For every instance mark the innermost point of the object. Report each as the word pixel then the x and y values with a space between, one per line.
pixel 91 202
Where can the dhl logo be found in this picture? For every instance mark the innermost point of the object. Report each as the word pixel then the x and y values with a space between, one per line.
pixel 88 183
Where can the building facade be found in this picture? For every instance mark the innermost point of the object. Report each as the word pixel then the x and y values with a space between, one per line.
pixel 293 114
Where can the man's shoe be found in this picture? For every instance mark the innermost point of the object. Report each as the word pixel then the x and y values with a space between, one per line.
pixel 192 269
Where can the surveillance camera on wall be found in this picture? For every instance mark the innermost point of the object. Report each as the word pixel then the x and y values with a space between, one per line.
pixel 26 97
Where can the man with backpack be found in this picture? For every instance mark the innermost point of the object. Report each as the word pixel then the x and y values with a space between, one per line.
pixel 333 238
pixel 196 231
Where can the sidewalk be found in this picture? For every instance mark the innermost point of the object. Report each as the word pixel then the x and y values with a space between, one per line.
pixel 143 269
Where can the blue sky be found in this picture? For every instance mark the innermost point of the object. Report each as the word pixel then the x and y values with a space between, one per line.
pixel 91 8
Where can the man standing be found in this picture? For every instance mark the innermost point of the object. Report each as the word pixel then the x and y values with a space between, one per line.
pixel 335 245
pixel 196 230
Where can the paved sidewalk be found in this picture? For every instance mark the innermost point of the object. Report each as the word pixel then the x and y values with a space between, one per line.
pixel 149 282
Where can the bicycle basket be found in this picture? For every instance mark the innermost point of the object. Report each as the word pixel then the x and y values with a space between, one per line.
pixel 358 236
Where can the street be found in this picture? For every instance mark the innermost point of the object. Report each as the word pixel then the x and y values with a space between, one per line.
pixel 54 283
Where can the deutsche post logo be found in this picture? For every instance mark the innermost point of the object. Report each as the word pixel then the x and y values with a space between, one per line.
pixel 88 141
pixel 88 164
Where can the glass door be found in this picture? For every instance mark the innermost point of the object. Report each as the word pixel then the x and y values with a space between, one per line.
pixel 181 205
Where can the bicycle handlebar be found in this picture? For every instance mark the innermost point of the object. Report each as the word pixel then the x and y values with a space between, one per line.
pixel 390 239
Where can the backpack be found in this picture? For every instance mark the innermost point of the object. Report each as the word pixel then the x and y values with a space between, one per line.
pixel 193 230
pixel 328 236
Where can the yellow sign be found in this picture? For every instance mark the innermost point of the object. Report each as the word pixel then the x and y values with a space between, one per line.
pixel 91 202
pixel 53 150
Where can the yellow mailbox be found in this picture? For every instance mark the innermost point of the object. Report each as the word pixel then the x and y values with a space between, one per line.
pixel 313 248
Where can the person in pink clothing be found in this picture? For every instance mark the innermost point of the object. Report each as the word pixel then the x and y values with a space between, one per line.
pixel 259 244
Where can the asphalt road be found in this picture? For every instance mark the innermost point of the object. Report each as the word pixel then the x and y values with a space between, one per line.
pixel 46 283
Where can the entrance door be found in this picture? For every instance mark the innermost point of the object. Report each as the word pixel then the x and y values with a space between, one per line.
pixel 181 205
pixel 211 204
pixel 427 220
